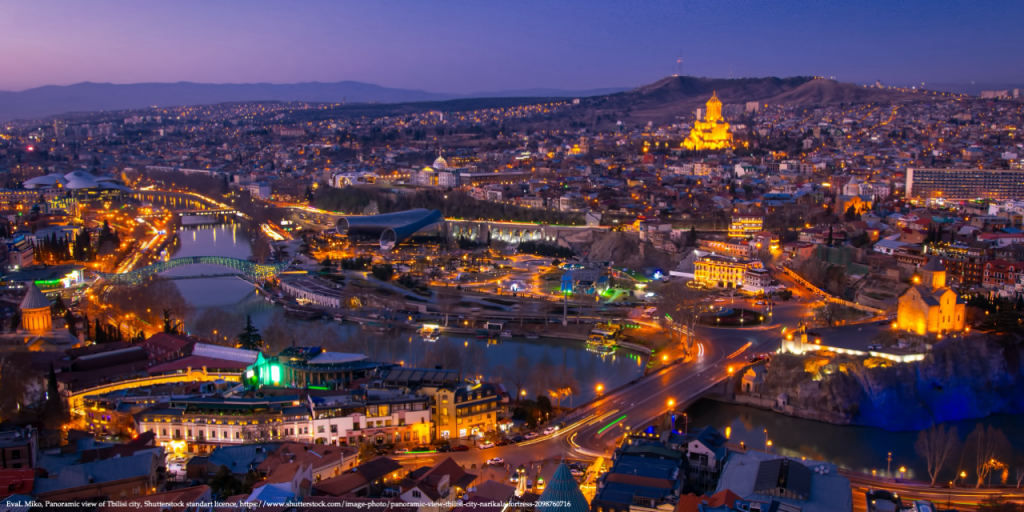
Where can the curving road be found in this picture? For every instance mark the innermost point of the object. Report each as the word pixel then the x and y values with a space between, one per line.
pixel 593 430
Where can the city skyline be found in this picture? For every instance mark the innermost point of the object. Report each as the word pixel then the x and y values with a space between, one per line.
pixel 466 48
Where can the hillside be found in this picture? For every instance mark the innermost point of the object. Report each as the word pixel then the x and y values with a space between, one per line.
pixel 91 97
pixel 675 98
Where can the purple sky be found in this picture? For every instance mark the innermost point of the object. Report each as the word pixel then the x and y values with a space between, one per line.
pixel 490 45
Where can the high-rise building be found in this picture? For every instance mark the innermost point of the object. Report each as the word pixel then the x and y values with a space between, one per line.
pixel 998 184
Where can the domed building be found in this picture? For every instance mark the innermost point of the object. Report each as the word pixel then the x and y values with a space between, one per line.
pixel 36 332
pixel 440 163
pixel 712 132
pixel 79 184
pixel 35 311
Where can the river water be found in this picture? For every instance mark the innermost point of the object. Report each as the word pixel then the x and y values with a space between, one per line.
pixel 237 296
pixel 856 448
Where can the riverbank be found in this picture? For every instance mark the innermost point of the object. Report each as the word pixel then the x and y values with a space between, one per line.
pixel 959 379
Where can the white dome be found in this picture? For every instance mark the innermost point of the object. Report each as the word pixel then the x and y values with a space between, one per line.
pixel 47 181
pixel 440 163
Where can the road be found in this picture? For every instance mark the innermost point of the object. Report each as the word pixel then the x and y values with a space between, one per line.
pixel 593 432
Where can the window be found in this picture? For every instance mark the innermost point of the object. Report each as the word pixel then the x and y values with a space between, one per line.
pixel 238 435
pixel 334 429
pixel 177 432
pixel 163 432
pixel 15 454
pixel 189 432
pixel 415 494
pixel 320 429
pixel 135 491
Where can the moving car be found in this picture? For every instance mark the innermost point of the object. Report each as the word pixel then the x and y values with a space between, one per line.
pixel 530 435
pixel 401 451
pixel 484 446
pixel 496 461
pixel 460 448
pixel 550 430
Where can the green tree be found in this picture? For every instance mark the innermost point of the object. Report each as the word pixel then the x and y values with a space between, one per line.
pixel 384 271
pixel 225 484
pixel 55 413
pixel 250 338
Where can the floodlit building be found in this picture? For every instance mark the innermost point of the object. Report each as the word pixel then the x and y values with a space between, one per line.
pixel 712 132
pixel 929 307
pixel 716 271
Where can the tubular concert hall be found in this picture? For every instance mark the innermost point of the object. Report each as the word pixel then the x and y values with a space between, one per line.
pixel 390 228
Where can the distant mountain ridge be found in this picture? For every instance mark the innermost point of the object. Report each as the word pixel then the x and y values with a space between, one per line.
pixel 88 96
pixel 676 97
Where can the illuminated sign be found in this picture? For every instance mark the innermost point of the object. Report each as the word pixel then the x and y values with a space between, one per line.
pixel 275 374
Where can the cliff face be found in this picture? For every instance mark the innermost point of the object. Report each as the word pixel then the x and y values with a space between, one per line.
pixel 959 379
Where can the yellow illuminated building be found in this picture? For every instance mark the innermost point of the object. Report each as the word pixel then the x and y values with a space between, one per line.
pixel 716 271
pixel 745 225
pixel 929 307
pixel 712 132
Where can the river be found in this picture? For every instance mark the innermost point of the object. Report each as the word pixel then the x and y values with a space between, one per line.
pixel 856 448
pixel 237 296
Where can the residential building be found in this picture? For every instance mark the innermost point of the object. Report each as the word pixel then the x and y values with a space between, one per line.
pixel 716 271
pixel 19 447
pixel 949 184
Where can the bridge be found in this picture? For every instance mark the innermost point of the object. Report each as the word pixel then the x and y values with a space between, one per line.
pixel 76 399
pixel 256 272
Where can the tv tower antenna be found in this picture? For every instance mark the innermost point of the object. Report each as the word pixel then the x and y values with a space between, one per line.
pixel 679 65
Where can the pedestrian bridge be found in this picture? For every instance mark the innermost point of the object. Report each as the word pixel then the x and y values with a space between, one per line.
pixel 251 271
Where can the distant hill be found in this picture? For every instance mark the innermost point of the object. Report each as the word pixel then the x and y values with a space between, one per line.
pixel 677 97
pixel 90 97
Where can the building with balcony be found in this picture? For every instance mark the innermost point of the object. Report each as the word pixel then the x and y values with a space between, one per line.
pixel 745 225
pixel 716 271
pixel 379 416
pixel 950 184
pixel 465 410
pixel 198 425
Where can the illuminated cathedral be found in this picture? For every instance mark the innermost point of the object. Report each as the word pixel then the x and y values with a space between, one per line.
pixel 712 132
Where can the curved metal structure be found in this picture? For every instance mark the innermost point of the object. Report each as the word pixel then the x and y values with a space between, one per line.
pixel 391 228
pixel 248 269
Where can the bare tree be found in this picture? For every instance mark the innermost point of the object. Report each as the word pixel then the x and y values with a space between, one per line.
pixel 217 325
pixel 518 374
pixel 679 310
pixel 983 448
pixel 937 446
pixel 447 299
pixel 826 313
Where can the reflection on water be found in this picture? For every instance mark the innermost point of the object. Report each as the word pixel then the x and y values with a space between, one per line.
pixel 238 297
pixel 857 448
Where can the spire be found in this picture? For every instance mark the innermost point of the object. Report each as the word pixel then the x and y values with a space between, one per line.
pixel 565 491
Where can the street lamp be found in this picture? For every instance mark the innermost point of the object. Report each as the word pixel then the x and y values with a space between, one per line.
pixel 671 403
pixel 766 440
pixel 600 388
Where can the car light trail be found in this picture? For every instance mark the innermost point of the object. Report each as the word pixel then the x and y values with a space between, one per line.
pixel 612 424
pixel 740 351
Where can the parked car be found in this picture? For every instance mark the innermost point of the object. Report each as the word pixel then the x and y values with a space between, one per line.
pixel 444 448
pixel 484 446
pixel 401 451
pixel 382 451
pixel 875 347
pixel 517 439
pixel 496 461
pixel 550 430
pixel 530 435
pixel 503 442
pixel 460 448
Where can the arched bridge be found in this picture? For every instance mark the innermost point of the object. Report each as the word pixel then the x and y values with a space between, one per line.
pixel 252 271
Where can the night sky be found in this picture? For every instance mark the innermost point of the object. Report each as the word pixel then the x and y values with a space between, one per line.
pixel 493 45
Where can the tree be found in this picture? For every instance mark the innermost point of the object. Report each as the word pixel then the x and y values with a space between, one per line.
pixel 679 310
pixel 224 483
pixel 250 338
pixel 518 374
pixel 384 271
pixel 826 313
pixel 447 299
pixel 55 413
pixel 171 326
pixel 937 447
pixel 691 241
pixel 983 448
pixel 367 451
pixel 830 236
pixel 996 503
